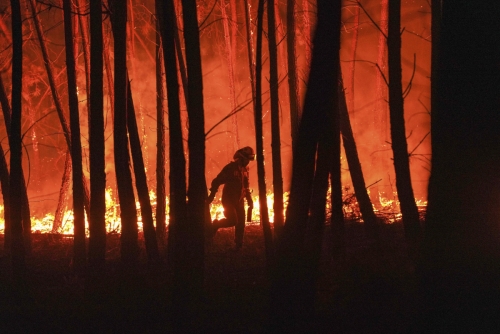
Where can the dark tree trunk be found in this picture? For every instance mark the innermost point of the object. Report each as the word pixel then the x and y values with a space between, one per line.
pixel 408 206
pixel 63 194
pixel 97 223
pixel 358 181
pixel 4 182
pixel 141 181
pixel 292 70
pixel 161 202
pixel 16 177
pixel 178 210
pixel 292 291
pixel 26 216
pixel 128 213
pixel 461 258
pixel 275 120
pixel 261 173
pixel 79 255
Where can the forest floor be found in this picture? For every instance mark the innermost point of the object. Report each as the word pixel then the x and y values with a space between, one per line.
pixel 373 291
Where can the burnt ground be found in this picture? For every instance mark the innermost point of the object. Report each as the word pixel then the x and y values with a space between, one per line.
pixel 372 291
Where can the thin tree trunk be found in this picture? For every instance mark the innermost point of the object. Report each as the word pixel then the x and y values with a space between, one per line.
pixel 161 202
pixel 141 181
pixel 97 223
pixel 4 182
pixel 275 120
pixel 189 270
pixel 16 178
pixel 292 291
pixel 251 63
pixel 79 255
pixel 52 82
pixel 178 209
pixel 352 67
pixel 292 71
pixel 63 194
pixel 408 206
pixel 128 214
pixel 230 57
pixel 351 152
pixel 261 173
pixel 26 216
pixel 306 32
pixel 83 23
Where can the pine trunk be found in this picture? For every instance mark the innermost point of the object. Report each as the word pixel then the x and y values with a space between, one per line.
pixel 63 194
pixel 398 134
pixel 128 214
pixel 79 255
pixel 141 181
pixel 275 120
pixel 292 71
pixel 161 196
pixel 261 172
pixel 16 177
pixel 97 223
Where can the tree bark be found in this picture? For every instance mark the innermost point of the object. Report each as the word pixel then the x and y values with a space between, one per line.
pixel 460 267
pixel 161 202
pixel 292 70
pixel 16 178
pixel 97 224
pixel 351 152
pixel 261 173
pixel 63 194
pixel 141 181
pixel 128 214
pixel 178 209
pixel 292 291
pixel 79 254
pixel 408 206
pixel 275 120
pixel 4 182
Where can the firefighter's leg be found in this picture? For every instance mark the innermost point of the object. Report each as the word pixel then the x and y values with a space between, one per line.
pixel 240 225
pixel 229 220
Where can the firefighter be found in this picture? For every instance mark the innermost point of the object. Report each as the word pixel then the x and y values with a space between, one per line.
pixel 234 177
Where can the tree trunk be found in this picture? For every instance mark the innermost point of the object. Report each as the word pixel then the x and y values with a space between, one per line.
pixel 358 181
pixel 261 172
pixel 352 67
pixel 97 223
pixel 251 64
pixel 460 263
pixel 79 255
pixel 52 82
pixel 188 274
pixel 275 120
pixel 398 134
pixel 292 290
pixel 128 213
pixel 178 209
pixel 16 178
pixel 63 194
pixel 292 70
pixel 141 181
pixel 4 182
pixel 161 202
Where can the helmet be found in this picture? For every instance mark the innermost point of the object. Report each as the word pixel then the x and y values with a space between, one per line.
pixel 245 152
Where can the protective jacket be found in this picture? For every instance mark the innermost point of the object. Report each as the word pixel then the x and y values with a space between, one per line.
pixel 234 177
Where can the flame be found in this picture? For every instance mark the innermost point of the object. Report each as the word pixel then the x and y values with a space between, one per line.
pixel 387 207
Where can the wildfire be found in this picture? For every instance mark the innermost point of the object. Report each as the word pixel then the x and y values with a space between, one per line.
pixel 387 207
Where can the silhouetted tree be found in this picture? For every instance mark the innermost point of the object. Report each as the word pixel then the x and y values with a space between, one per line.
pixel 292 69
pixel 79 255
pixel 141 182
pixel 177 214
pixel 16 178
pixel 97 223
pixel 128 213
pixel 461 259
pixel 275 119
pixel 408 206
pixel 161 201
pixel 261 172
pixel 293 289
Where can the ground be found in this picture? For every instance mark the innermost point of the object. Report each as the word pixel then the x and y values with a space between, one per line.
pixel 372 291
